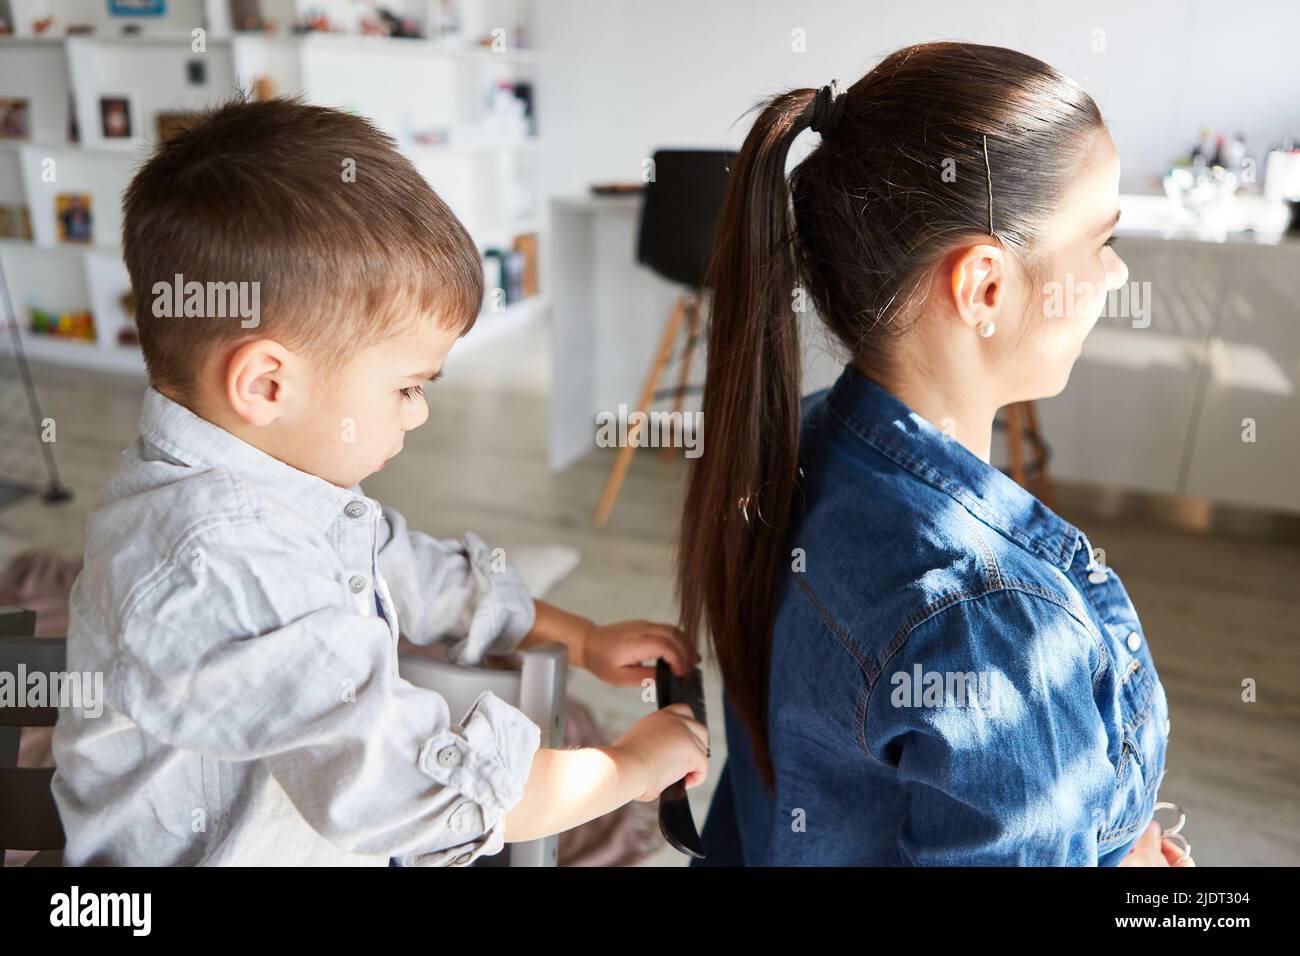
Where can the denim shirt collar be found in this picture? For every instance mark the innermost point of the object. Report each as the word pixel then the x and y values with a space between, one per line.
pixel 890 427
pixel 192 440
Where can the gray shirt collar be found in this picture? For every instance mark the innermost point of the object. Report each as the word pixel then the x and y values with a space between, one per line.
pixel 192 440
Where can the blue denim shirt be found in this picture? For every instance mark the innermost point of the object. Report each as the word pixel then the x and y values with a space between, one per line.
pixel 956 678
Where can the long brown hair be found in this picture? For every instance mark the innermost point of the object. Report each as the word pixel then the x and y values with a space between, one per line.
pixel 895 185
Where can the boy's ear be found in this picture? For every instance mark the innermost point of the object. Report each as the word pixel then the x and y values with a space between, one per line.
pixel 254 379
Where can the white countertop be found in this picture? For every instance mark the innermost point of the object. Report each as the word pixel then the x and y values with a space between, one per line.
pixel 1246 218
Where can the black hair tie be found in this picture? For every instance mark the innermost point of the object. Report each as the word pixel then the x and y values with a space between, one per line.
pixel 827 108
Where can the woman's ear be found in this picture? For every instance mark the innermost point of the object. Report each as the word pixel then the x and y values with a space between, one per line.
pixel 977 277
pixel 254 380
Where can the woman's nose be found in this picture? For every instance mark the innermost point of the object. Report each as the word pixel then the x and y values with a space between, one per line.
pixel 1117 275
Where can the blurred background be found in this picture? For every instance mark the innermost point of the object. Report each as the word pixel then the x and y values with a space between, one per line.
pixel 581 143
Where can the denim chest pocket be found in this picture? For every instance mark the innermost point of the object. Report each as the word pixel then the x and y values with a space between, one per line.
pixel 1140 764
pixel 1137 724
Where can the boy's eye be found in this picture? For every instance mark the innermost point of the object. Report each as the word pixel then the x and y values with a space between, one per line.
pixel 412 391
pixel 1109 242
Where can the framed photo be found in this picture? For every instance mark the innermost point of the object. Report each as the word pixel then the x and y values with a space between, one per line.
pixel 72 215
pixel 246 14
pixel 137 8
pixel 15 223
pixel 171 123
pixel 15 118
pixel 115 118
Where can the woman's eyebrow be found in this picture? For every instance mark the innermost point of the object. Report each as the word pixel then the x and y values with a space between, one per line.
pixel 1106 227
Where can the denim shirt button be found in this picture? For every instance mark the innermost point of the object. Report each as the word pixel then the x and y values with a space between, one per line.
pixel 1134 640
pixel 1097 577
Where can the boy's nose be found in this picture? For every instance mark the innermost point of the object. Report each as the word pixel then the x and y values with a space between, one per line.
pixel 414 417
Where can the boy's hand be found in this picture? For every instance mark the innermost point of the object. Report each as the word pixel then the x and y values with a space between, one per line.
pixel 615 652
pixel 663 747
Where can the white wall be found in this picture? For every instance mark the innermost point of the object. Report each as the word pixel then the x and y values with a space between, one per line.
pixel 620 78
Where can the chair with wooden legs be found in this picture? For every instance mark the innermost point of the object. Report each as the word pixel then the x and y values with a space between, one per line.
pixel 679 217
pixel 1021 425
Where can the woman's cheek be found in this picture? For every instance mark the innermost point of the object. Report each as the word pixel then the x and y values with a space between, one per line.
pixel 1098 282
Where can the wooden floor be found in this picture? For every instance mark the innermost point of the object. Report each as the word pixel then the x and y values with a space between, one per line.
pixel 1217 609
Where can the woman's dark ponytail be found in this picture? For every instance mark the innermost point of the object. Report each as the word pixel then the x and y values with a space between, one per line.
pixel 733 536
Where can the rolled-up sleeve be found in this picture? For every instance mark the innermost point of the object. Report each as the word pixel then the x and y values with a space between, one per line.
pixel 478 762
pixel 1017 775
pixel 237 661
pixel 458 591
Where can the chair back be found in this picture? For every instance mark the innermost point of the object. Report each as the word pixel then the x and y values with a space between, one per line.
pixel 680 212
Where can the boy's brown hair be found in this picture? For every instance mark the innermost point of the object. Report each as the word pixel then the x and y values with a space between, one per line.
pixel 347 242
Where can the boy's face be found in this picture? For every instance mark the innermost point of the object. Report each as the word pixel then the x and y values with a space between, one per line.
pixel 379 396
pixel 340 425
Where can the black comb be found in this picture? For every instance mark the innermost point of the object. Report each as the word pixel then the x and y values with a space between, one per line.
pixel 675 820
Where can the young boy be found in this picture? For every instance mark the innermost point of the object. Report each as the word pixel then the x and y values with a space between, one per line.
pixel 296 282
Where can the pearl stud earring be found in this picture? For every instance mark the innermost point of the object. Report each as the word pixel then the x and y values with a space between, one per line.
pixel 986 328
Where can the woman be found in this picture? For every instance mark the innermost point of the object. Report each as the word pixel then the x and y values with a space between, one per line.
pixel 923 664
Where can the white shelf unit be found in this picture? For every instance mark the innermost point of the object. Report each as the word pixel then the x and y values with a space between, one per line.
pixel 405 86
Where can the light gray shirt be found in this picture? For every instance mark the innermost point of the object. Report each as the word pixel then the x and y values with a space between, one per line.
pixel 253 710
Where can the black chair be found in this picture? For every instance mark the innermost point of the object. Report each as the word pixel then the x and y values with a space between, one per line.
pixel 29 817
pixel 679 221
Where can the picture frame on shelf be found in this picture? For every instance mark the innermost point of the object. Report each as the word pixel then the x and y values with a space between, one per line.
pixel 15 222
pixel 137 8
pixel 15 118
pixel 74 218
pixel 117 118
pixel 170 123
pixel 247 15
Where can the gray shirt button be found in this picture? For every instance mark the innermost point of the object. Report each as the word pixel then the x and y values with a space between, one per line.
pixel 462 859
pixel 448 757
pixel 355 509
pixel 357 583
